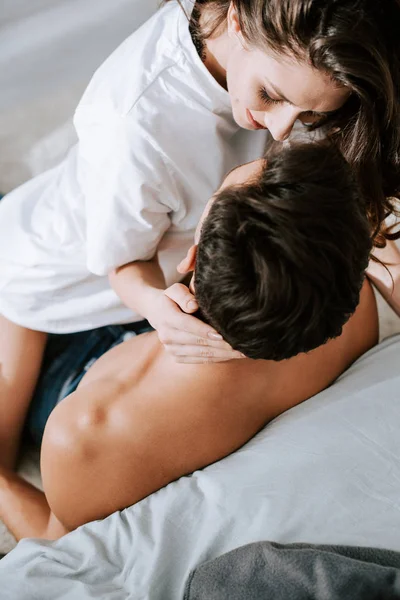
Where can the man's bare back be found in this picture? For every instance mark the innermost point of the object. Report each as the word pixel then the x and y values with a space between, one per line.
pixel 139 420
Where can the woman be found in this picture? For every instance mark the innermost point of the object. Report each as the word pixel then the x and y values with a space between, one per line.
pixel 355 44
pixel 156 136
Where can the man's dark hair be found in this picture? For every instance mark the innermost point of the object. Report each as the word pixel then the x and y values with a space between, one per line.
pixel 281 259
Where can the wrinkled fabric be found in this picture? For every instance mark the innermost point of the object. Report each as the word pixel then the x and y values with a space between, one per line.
pixel 49 51
pixel 325 472
pixel 265 571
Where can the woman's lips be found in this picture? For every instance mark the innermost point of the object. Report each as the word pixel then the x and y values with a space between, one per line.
pixel 252 121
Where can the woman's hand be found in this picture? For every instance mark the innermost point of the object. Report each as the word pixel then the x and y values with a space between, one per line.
pixel 184 336
pixel 140 285
pixel 387 280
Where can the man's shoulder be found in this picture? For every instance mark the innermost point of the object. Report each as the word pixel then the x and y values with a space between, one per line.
pixel 115 442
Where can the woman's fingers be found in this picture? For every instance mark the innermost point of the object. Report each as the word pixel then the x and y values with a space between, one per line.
pixel 196 354
pixel 176 337
pixel 185 300
pixel 193 325
pixel 202 351
pixel 184 336
pixel 183 297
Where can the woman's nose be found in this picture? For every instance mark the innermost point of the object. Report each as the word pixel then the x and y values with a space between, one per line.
pixel 280 123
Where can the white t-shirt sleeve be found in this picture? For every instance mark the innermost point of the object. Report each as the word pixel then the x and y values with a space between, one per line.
pixel 124 181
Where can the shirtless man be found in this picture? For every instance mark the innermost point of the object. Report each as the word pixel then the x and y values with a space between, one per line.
pixel 288 276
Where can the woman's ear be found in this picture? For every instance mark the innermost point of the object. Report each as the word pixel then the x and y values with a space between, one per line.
pixel 188 264
pixel 233 25
pixel 232 20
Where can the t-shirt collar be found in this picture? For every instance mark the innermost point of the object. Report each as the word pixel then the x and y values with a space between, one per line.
pixel 219 96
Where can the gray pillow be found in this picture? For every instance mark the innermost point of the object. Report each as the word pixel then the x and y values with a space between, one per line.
pixel 265 570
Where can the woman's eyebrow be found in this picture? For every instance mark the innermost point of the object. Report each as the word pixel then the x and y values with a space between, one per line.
pixel 278 92
pixel 283 97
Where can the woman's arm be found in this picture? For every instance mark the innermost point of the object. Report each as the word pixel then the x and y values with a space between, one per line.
pixel 387 280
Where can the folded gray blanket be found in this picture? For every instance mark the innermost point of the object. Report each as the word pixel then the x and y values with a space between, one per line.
pixel 271 571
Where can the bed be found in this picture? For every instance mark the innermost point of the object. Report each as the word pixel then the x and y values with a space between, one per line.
pixel 327 471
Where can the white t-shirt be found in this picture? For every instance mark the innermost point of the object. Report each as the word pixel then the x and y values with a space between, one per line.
pixel 156 137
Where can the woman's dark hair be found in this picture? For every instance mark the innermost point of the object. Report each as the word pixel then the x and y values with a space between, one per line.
pixel 356 42
pixel 281 260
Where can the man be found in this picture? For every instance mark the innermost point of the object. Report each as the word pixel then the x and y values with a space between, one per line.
pixel 280 256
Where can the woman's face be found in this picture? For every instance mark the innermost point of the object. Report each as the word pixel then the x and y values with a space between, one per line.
pixel 273 92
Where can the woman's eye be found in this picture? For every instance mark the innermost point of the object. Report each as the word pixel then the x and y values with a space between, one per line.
pixel 266 98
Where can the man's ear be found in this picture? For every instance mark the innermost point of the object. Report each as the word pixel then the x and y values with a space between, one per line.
pixel 188 264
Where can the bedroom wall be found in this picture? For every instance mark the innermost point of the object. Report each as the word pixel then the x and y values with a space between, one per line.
pixel 49 50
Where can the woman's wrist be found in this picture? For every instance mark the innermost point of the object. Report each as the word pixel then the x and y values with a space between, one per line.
pixel 146 302
pixel 138 284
